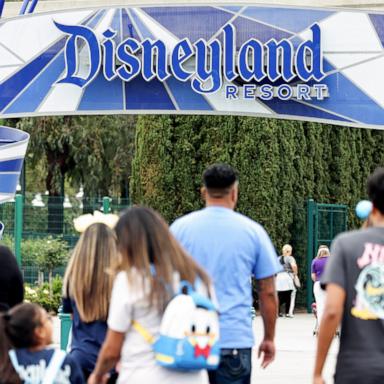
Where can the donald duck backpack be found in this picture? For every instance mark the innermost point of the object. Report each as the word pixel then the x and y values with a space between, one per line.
pixel 189 332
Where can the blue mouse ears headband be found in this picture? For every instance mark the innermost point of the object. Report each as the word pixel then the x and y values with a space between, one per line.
pixel 363 209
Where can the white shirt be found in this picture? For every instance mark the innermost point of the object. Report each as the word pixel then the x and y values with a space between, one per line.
pixel 129 301
pixel 284 282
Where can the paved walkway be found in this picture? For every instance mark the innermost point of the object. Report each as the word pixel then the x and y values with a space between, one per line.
pixel 295 355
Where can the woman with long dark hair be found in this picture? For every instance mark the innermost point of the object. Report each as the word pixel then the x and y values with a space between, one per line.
pixel 152 260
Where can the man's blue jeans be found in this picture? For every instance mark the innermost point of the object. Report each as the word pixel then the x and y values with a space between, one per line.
pixel 235 367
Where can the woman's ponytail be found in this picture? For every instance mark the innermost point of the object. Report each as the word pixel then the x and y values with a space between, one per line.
pixel 7 372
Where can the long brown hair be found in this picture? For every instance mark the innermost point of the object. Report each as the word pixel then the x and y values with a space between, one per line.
pixel 86 279
pixel 17 330
pixel 144 239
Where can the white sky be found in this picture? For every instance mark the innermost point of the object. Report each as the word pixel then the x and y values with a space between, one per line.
pixel 12 8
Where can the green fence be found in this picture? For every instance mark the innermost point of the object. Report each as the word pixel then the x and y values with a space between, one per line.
pixel 324 222
pixel 313 224
pixel 36 216
pixel 31 217
pixel 299 243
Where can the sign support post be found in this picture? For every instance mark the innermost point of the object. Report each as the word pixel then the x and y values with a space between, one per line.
pixel 18 226
pixel 310 222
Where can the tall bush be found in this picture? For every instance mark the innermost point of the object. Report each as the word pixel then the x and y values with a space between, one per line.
pixel 281 164
pixel 51 253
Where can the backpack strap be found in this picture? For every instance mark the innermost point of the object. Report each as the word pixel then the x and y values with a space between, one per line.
pixel 286 264
pixel 168 287
pixel 146 335
pixel 54 366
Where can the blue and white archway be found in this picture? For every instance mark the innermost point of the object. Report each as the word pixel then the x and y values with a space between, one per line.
pixel 38 65
pixel 13 146
pixel 283 62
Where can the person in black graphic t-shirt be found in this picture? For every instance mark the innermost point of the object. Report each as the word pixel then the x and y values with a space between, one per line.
pixel 354 280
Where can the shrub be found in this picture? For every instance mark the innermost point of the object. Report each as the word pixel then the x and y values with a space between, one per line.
pixel 46 253
pixel 50 253
pixel 41 295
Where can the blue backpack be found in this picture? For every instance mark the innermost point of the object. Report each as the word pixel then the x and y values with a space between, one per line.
pixel 189 332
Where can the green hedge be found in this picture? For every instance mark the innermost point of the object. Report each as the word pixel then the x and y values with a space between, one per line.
pixel 281 164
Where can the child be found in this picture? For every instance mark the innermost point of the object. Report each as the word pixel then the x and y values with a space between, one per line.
pixel 25 333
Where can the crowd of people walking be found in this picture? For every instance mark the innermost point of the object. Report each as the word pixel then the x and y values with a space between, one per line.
pixel 153 304
pixel 118 284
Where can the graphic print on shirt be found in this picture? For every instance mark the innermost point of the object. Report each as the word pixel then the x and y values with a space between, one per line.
pixel 189 333
pixel 35 373
pixel 202 334
pixel 369 304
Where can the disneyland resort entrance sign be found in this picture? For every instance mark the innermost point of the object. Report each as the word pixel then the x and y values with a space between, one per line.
pixel 299 63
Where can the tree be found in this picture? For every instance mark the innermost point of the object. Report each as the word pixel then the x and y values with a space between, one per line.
pixel 51 138
pixel 52 253
pixel 255 158
pixel 152 168
pixel 95 152
pixel 102 151
pixel 281 164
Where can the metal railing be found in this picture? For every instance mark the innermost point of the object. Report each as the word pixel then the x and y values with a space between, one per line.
pixel 53 216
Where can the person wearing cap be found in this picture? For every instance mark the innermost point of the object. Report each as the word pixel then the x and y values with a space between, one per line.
pixel 232 248
pixel 354 281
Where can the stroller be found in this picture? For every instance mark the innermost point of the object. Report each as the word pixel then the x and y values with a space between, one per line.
pixel 316 329
pixel 314 311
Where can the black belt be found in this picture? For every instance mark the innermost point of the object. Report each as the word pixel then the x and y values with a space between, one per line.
pixel 232 351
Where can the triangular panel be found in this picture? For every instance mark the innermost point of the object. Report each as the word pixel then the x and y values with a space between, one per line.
pixel 290 19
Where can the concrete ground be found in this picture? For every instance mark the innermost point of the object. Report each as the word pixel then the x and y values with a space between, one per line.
pixel 296 348
pixel 295 355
